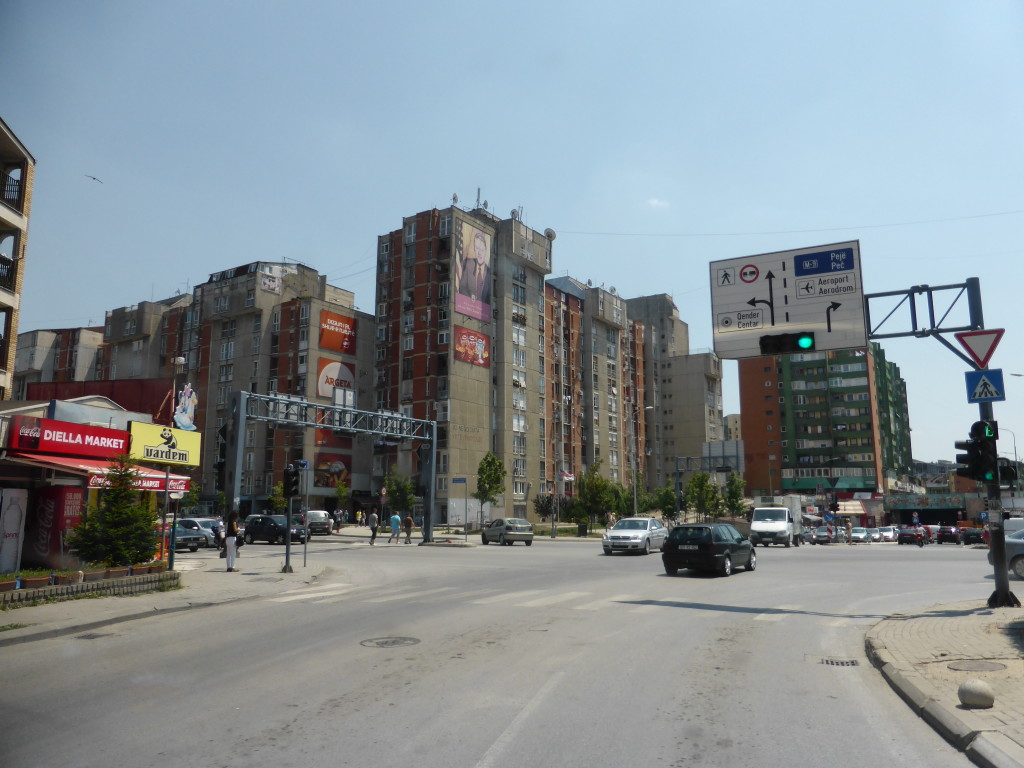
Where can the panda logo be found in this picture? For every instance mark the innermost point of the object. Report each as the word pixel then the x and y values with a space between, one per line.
pixel 170 441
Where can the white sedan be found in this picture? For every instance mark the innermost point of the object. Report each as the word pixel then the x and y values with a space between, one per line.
pixel 634 534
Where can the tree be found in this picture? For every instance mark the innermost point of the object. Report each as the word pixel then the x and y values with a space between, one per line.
pixel 193 498
pixel 342 493
pixel 490 480
pixel 278 503
pixel 701 496
pixel 734 503
pixel 595 496
pixel 120 531
pixel 401 493
pixel 664 498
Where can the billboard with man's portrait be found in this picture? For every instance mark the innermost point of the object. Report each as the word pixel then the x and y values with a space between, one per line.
pixel 472 271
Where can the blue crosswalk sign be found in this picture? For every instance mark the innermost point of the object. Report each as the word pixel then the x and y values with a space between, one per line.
pixel 985 386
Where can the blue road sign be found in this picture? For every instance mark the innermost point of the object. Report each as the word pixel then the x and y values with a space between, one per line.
pixel 457 480
pixel 985 386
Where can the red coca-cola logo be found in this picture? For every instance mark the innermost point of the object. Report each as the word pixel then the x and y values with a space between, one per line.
pixel 30 431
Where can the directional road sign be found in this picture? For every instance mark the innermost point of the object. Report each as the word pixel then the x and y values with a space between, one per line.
pixel 985 386
pixel 980 344
pixel 816 289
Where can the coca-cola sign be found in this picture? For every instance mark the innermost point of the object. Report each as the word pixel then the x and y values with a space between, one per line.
pixel 147 482
pixel 28 433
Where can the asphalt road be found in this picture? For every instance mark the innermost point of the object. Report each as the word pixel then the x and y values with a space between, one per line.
pixel 500 656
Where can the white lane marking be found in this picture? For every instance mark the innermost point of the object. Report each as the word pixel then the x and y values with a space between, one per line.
pixel 598 604
pixel 464 595
pixel 508 596
pixel 778 614
pixel 552 599
pixel 408 595
pixel 495 754
pixel 313 594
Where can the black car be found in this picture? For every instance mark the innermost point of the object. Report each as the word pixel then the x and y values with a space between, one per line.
pixel 271 529
pixel 947 533
pixel 972 536
pixel 708 547
pixel 918 535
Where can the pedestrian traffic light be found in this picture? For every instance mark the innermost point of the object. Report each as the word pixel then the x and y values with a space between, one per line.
pixel 986 433
pixel 787 343
pixel 291 481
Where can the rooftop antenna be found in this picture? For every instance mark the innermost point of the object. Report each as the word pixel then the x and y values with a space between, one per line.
pixel 455 199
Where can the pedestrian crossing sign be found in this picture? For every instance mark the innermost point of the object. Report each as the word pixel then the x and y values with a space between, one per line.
pixel 985 386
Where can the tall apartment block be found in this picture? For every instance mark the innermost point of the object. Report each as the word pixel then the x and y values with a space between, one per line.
pixel 56 355
pixel 17 176
pixel 824 421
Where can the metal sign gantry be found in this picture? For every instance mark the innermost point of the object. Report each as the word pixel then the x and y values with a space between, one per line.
pixel 286 410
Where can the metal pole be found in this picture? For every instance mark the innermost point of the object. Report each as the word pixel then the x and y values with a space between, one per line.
pixel 167 503
pixel 465 514
pixel 288 538
pixel 554 505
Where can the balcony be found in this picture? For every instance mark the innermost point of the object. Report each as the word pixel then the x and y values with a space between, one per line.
pixel 8 274
pixel 12 192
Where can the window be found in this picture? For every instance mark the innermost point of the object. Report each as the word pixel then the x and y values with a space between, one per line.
pixel 220 304
pixel 227 350
pixel 519 357
pixel 250 298
pixel 275 321
pixel 227 372
pixel 442 337
pixel 256 345
pixel 445 225
pixel 410 231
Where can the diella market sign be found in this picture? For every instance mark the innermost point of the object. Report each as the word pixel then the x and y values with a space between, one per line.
pixel 164 445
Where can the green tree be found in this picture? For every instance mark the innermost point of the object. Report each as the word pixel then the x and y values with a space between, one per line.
pixel 595 495
pixel 342 493
pixel 120 531
pixel 702 497
pixel 490 480
pixel 278 503
pixel 664 498
pixel 192 499
pixel 734 503
pixel 401 492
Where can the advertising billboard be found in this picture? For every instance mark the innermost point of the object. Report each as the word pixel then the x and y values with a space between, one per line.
pixel 164 445
pixel 331 374
pixel 337 332
pixel 472 271
pixel 28 433
pixel 472 347
pixel 333 459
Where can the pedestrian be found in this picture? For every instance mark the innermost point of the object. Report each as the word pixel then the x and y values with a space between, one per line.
pixel 372 522
pixel 849 531
pixel 407 524
pixel 396 528
pixel 218 534
pixel 230 541
pixel 359 517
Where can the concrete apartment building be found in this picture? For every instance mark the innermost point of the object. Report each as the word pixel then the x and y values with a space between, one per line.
pixel 815 421
pixel 733 427
pixel 56 355
pixel 17 177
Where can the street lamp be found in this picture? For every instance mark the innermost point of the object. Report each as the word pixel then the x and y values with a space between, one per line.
pixel 636 446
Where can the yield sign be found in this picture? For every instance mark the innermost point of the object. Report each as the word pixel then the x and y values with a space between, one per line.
pixel 980 344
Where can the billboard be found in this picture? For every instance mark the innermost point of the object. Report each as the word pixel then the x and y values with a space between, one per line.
pixel 337 332
pixel 331 374
pixel 164 445
pixel 472 347
pixel 472 272
pixel 28 433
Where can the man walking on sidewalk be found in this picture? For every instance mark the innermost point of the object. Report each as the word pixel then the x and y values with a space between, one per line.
pixel 396 528
pixel 407 524
pixel 372 522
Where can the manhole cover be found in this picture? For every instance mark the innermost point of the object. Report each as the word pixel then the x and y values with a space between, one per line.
pixel 389 642
pixel 976 666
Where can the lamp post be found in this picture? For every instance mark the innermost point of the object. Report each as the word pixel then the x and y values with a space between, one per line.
pixel 636 446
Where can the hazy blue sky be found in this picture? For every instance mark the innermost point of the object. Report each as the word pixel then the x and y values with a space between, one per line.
pixel 653 137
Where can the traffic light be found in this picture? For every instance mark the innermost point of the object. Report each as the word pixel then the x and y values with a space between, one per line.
pixel 787 343
pixel 1007 474
pixel 291 481
pixel 833 505
pixel 986 433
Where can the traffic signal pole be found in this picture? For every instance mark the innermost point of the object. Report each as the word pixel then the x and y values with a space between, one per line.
pixel 1002 597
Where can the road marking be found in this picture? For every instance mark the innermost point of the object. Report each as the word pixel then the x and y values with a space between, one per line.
pixel 552 599
pixel 313 594
pixel 649 608
pixel 405 595
pixel 508 596
pixel 778 614
pixel 598 604
pixel 464 595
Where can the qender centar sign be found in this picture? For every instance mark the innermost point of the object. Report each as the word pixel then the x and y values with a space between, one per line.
pixel 164 445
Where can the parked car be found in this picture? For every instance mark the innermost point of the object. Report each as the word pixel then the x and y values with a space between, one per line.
pixel 859 536
pixel 320 522
pixel 913 535
pixel 1014 553
pixel 508 531
pixel 271 529
pixel 947 533
pixel 874 534
pixel 823 534
pixel 186 538
pixel 207 526
pixel 888 532
pixel 708 547
pixel 972 536
pixel 634 534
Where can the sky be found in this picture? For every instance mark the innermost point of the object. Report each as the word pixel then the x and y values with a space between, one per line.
pixel 653 137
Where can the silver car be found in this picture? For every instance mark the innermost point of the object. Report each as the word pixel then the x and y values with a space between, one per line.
pixel 206 526
pixel 634 534
pixel 508 531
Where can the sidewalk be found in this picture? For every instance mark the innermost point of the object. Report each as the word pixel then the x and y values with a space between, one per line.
pixel 926 656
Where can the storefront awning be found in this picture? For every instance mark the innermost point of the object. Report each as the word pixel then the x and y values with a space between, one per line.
pixel 147 478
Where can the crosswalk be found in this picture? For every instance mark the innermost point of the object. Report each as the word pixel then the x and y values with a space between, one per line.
pixel 534 599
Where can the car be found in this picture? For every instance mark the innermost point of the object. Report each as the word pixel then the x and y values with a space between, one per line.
pixel 1014 553
pixel 717 547
pixel 319 522
pixel 186 538
pixel 859 536
pixel 207 526
pixel 508 531
pixel 874 534
pixel 271 529
pixel 913 535
pixel 823 535
pixel 970 535
pixel 634 534
pixel 947 533
pixel 888 532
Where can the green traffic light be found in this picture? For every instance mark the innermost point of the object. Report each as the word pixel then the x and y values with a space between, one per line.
pixel 805 341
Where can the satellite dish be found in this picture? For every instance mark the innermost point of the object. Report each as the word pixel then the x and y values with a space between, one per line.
pixel 590 283
pixel 455 198
pixel 514 214
pixel 612 290
pixel 485 205
pixel 549 233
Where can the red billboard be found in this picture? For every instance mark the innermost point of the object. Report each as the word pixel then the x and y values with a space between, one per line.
pixel 29 433
pixel 56 510
pixel 337 332
pixel 472 347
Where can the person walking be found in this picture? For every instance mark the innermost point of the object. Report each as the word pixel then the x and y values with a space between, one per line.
pixel 396 528
pixel 231 541
pixel 372 522
pixel 407 525
pixel 359 517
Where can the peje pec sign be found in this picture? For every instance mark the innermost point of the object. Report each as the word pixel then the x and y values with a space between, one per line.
pixel 30 433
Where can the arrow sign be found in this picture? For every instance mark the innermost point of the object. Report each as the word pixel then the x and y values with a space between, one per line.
pixel 980 344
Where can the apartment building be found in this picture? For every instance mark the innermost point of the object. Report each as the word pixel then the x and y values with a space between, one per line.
pixel 17 177
pixel 56 355
pixel 813 422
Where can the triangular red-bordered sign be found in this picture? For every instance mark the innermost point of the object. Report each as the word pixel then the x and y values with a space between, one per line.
pixel 980 344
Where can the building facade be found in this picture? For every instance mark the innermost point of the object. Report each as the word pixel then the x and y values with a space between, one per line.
pixel 17 177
